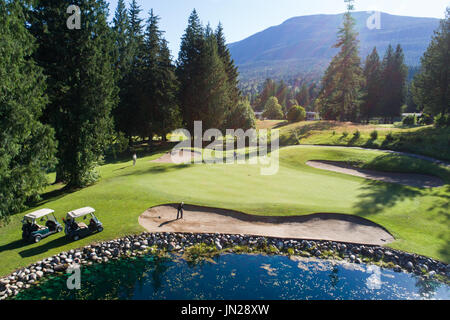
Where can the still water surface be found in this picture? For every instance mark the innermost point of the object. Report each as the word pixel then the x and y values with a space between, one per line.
pixel 238 277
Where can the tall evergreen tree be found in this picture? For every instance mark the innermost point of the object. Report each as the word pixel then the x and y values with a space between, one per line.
pixel 131 100
pixel 82 86
pixel 121 34
pixel 432 84
pixel 159 108
pixel 341 84
pixel 213 85
pixel 282 93
pixel 122 65
pixel 236 105
pixel 27 147
pixel 393 78
pixel 230 67
pixel 269 90
pixel 204 83
pixel 188 70
pixel 303 96
pixel 372 88
pixel 168 93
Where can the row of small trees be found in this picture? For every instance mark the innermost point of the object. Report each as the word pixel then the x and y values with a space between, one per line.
pixel 274 110
pixel 286 95
pixel 431 86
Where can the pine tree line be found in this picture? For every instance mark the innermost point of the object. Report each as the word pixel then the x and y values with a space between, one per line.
pixel 66 95
pixel 352 92
pixel 26 145
pixel 209 80
pixel 431 86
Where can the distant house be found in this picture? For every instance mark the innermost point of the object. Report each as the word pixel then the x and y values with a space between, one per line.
pixel 417 115
pixel 259 115
pixel 311 116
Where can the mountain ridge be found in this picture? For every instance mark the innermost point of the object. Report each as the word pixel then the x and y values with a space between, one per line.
pixel 304 44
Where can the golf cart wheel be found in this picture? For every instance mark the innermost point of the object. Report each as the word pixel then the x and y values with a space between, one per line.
pixel 75 238
pixel 37 239
pixel 100 229
pixel 59 229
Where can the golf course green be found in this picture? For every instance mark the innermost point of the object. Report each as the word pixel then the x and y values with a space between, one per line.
pixel 417 217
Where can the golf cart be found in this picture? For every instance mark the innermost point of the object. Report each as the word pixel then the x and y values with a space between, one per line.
pixel 33 232
pixel 76 230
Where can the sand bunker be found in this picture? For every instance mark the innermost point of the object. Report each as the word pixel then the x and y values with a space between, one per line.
pixel 332 227
pixel 408 179
pixel 178 157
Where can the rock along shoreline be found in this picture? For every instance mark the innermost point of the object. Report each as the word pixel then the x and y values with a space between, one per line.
pixel 145 243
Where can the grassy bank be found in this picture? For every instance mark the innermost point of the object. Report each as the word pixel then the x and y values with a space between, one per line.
pixel 418 218
pixel 428 141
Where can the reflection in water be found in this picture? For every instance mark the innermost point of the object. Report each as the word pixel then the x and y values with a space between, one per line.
pixel 238 277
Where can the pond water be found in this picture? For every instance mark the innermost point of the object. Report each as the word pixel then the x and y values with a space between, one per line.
pixel 238 277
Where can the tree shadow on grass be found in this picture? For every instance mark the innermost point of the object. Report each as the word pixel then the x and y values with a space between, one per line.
pixel 53 196
pixel 377 196
pixel 443 205
pixel 42 248
pixel 158 169
pixel 20 243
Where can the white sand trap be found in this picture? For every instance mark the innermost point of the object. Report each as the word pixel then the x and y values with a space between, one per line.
pixel 408 179
pixel 332 227
pixel 179 157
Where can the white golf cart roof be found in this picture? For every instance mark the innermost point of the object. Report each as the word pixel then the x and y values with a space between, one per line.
pixel 80 212
pixel 39 214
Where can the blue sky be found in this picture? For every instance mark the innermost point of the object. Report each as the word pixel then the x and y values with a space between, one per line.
pixel 242 18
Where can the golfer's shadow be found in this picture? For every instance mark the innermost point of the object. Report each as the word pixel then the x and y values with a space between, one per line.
pixel 167 222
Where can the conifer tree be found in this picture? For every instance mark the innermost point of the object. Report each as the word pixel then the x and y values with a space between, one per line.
pixel 269 90
pixel 342 82
pixel 188 70
pixel 230 68
pixel 303 96
pixel 393 78
pixel 372 88
pixel 213 85
pixel 131 100
pixel 27 147
pixel 432 84
pixel 81 85
pixel 204 83
pixel 159 108
pixel 122 65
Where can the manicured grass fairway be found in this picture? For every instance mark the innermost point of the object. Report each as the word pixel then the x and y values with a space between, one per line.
pixel 418 218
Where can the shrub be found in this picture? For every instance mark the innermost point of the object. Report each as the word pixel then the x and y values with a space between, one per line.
pixel 296 114
pixel 409 121
pixel 442 120
pixel 425 119
pixel 374 135
pixel 118 145
pixel 389 137
pixel 345 134
pixel 273 110
pixel 357 135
